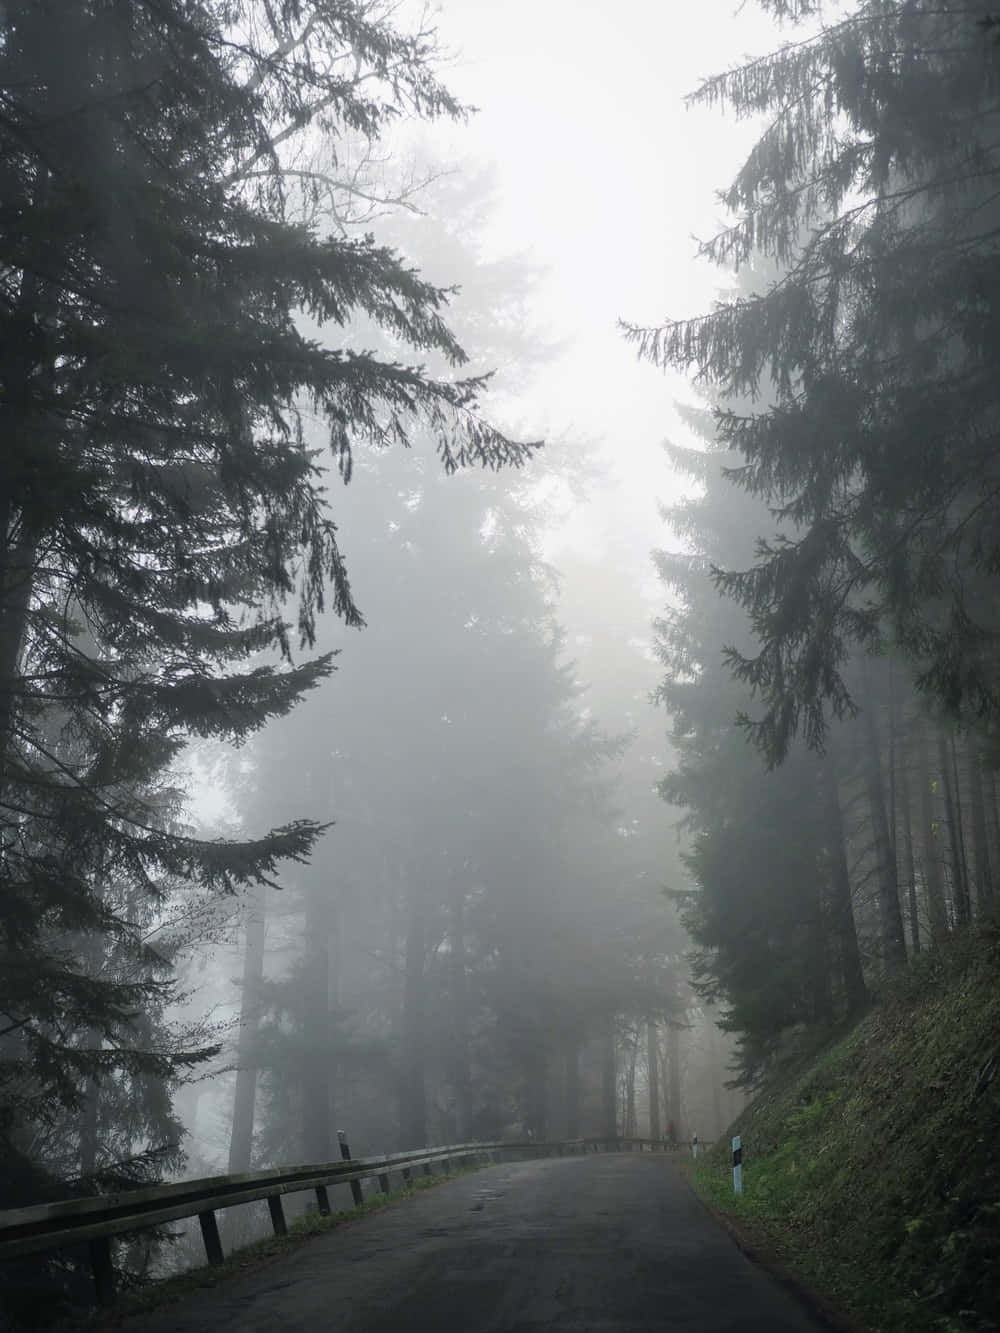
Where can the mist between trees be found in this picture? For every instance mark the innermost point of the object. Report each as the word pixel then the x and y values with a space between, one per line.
pixel 272 545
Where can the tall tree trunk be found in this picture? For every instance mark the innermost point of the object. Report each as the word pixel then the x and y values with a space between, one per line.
pixel 459 1055
pixel 897 763
pixel 890 916
pixel 89 1135
pixel 317 1110
pixel 413 1107
pixel 960 825
pixel 536 1101
pixel 909 865
pixel 993 818
pixel 980 836
pixel 855 990
pixel 90 1111
pixel 713 1048
pixel 629 1112
pixel 29 366
pixel 16 581
pixel 819 972
pixel 609 1078
pixel 959 883
pixel 891 764
pixel 652 1066
pixel 936 910
pixel 241 1137
pixel 571 1057
pixel 674 1077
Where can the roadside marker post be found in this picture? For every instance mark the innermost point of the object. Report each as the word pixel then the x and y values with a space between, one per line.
pixel 694 1145
pixel 737 1164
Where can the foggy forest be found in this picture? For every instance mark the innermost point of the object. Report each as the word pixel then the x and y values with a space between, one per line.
pixel 499 618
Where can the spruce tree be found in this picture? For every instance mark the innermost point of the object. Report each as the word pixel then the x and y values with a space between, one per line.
pixel 876 441
pixel 159 508
pixel 761 910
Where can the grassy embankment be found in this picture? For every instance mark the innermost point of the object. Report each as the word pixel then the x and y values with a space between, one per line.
pixel 872 1171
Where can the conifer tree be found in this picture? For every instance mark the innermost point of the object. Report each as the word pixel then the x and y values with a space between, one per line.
pixel 876 444
pixel 774 941
pixel 157 499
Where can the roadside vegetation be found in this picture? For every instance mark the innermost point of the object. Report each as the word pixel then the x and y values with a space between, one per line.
pixel 870 1169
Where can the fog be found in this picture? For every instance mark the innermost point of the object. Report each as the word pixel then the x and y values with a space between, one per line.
pixel 498 578
pixel 488 748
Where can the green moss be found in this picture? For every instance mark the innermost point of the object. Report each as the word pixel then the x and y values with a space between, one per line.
pixel 872 1170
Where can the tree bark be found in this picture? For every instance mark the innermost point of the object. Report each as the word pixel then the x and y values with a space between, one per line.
pixel 713 1049
pixel 960 825
pixel 652 1065
pixel 936 910
pixel 88 1119
pixel 609 1078
pixel 980 835
pixel 413 1100
pixel 855 990
pixel 244 1099
pixel 674 1077
pixel 536 1102
pixel 819 971
pixel 572 1086
pixel 993 818
pixel 24 363
pixel 459 1055
pixel 317 1110
pixel 909 864
pixel 629 1112
pixel 959 883
pixel 890 916
pixel 16 581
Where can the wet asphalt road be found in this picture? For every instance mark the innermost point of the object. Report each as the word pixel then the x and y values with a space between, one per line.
pixel 603 1244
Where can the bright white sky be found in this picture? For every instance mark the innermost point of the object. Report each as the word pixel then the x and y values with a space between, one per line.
pixel 605 178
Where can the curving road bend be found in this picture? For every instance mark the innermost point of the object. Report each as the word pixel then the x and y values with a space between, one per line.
pixel 602 1244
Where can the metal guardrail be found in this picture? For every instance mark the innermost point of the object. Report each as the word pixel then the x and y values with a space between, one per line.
pixel 97 1219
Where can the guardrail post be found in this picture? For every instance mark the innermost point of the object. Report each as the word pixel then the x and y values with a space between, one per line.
pixel 383 1182
pixel 210 1235
pixel 694 1145
pixel 428 1168
pixel 277 1215
pixel 356 1192
pixel 407 1175
pixel 104 1270
pixel 322 1201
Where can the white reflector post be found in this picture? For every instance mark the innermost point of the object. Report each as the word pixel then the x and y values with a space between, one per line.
pixel 737 1164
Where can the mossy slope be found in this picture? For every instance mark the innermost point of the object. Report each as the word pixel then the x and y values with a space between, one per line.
pixel 873 1170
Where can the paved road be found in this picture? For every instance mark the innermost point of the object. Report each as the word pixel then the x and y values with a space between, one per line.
pixel 603 1244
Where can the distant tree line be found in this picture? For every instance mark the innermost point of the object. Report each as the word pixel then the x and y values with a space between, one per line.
pixel 473 950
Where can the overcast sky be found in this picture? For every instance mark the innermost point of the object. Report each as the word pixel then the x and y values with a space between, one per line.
pixel 605 178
